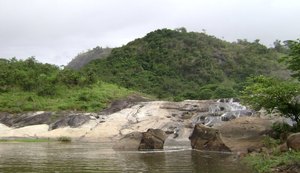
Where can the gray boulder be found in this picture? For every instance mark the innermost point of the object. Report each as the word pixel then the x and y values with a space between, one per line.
pixel 208 139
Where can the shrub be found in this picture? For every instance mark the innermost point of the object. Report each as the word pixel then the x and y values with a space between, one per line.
pixel 279 128
pixel 64 139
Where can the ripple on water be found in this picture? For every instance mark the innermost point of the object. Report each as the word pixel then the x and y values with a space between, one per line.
pixel 99 157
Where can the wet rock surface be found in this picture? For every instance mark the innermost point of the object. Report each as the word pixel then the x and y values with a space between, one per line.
pixel 208 139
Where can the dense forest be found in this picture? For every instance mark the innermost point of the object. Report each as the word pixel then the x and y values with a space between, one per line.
pixel 27 85
pixel 180 65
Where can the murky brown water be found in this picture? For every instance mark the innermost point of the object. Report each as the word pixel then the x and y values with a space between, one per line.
pixel 99 157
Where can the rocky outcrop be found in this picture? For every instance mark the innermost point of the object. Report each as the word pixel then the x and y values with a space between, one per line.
pixel 293 141
pixel 244 133
pixel 55 120
pixel 27 119
pixel 127 102
pixel 73 121
pixel 206 138
pixel 153 139
pixel 177 119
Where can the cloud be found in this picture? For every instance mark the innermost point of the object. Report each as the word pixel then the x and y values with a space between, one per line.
pixel 56 30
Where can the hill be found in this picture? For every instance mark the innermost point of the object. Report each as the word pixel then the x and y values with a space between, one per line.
pixel 84 58
pixel 186 65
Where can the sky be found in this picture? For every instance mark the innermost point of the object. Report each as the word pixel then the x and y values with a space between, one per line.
pixel 55 31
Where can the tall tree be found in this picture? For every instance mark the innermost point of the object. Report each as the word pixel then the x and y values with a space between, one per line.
pixel 293 58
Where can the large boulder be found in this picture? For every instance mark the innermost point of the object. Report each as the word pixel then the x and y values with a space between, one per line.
pixel 293 141
pixel 130 141
pixel 245 133
pixel 153 139
pixel 208 139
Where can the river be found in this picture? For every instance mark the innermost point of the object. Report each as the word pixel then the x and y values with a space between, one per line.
pixel 74 157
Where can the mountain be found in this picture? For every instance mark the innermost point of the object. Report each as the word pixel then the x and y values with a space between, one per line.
pixel 83 58
pixel 186 65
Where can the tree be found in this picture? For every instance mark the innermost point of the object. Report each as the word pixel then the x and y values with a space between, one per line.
pixel 293 58
pixel 271 93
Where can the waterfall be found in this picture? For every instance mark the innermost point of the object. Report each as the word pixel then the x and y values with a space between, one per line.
pixel 222 110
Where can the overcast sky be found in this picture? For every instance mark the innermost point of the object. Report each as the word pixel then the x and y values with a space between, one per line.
pixel 54 31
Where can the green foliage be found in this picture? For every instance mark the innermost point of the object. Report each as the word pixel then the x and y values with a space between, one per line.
pixel 177 64
pixel 279 128
pixel 270 142
pixel 92 98
pixel 265 163
pixel 271 93
pixel 293 58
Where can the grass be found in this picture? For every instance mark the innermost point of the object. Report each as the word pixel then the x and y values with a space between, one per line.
pixel 91 99
pixel 264 163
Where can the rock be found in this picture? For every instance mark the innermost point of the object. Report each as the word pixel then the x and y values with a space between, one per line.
pixel 153 139
pixel 206 138
pixel 254 150
pixel 293 141
pixel 73 121
pixel 243 133
pixel 283 147
pixel 26 119
pixel 127 102
pixel 129 142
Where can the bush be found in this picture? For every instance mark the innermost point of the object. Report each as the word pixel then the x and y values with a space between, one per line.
pixel 279 128
pixel 64 139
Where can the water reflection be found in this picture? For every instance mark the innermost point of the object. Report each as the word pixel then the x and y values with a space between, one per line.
pixel 99 157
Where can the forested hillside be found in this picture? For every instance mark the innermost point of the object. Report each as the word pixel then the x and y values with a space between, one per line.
pixel 186 65
pixel 27 85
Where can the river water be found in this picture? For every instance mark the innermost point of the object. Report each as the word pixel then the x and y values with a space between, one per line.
pixel 99 157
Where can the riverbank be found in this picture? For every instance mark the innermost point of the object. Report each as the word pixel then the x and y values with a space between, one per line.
pixel 239 129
